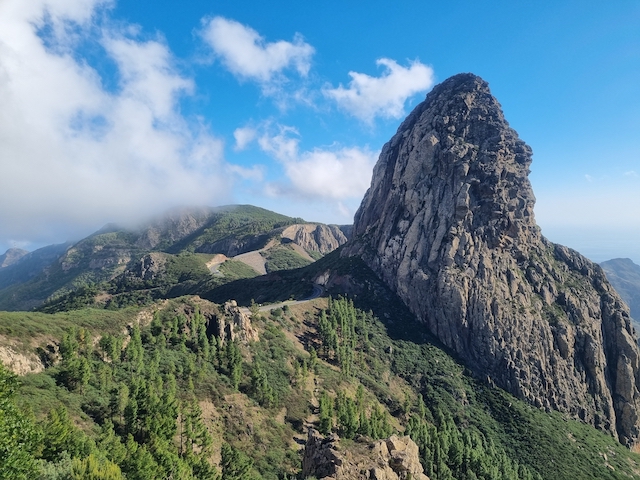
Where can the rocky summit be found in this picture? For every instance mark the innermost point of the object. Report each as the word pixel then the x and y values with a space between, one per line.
pixel 448 224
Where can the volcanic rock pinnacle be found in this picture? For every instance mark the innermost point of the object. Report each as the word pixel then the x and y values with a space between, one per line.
pixel 448 225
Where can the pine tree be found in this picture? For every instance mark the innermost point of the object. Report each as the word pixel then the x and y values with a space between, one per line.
pixel 61 435
pixel 234 363
pixel 326 413
pixel 235 465
pixel 19 436
pixel 260 386
pixel 95 468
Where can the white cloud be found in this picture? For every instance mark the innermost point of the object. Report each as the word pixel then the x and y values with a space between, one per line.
pixel 335 174
pixel 248 55
pixel 332 173
pixel 244 136
pixel 254 173
pixel 74 155
pixel 384 96
pixel 631 173
pixel 147 74
pixel 282 145
pixel 588 178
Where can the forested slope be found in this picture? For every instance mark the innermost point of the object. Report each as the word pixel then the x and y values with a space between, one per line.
pixel 169 390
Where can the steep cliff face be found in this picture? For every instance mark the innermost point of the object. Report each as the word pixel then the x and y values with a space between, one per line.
pixel 448 224
pixel 315 237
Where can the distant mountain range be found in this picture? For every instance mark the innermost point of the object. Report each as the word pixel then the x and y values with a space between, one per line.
pixel 19 269
pixel 167 256
pixel 624 275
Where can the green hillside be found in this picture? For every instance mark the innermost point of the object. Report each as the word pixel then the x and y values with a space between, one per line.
pixel 109 258
pixel 155 391
pixel 243 227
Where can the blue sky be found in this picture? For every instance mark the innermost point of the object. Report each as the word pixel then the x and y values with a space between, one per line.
pixel 111 111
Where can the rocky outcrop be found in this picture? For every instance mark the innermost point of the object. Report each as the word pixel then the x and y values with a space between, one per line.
pixel 18 362
pixel 396 458
pixel 233 246
pixel 227 322
pixel 448 225
pixel 150 266
pixel 236 325
pixel 11 256
pixel 315 237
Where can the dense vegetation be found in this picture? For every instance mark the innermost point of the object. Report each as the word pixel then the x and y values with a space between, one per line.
pixel 167 397
pixel 178 275
pixel 283 258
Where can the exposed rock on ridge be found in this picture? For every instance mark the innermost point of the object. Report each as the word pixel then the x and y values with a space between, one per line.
pixel 396 458
pixel 236 325
pixel 315 237
pixel 11 256
pixel 448 225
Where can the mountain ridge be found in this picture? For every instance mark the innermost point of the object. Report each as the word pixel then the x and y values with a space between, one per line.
pixel 11 256
pixel 114 251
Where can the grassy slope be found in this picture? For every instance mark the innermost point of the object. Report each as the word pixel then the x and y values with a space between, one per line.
pixel 25 326
pixel 396 361
pixel 283 258
pixel 233 222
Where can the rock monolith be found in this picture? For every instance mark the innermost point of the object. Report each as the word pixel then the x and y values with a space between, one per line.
pixel 448 224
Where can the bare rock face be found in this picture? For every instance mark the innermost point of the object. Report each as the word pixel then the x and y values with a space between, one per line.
pixel 315 237
pixel 11 256
pixel 396 458
pixel 150 266
pixel 236 324
pixel 18 362
pixel 448 225
pixel 228 322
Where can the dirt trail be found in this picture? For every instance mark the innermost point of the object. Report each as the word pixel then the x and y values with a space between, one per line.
pixel 254 259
